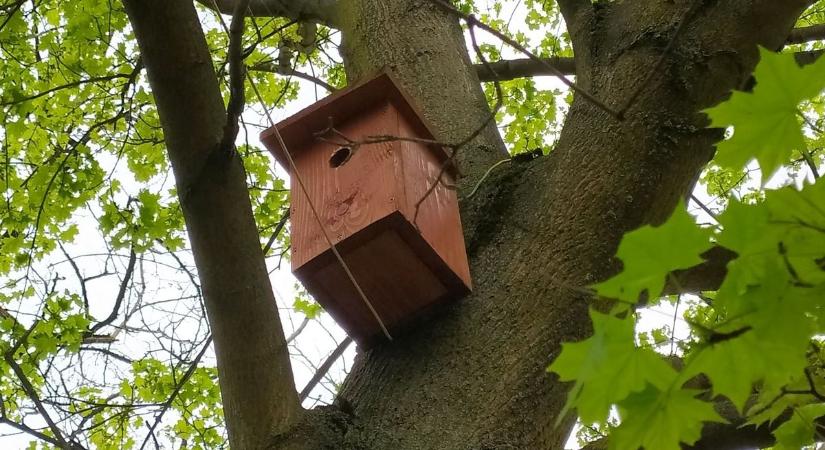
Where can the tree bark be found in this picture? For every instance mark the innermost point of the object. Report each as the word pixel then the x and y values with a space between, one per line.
pixel 473 375
pixel 257 387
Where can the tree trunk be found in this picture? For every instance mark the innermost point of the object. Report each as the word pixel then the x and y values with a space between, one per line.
pixel 473 374
pixel 257 387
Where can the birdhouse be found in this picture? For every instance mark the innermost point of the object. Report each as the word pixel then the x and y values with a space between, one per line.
pixel 372 176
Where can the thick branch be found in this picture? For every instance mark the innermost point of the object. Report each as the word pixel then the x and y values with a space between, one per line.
pixel 523 67
pixel 519 68
pixel 257 387
pixel 321 11
pixel 807 34
pixel 808 57
pixel 707 276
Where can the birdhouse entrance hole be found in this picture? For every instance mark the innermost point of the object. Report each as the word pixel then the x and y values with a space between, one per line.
pixel 340 157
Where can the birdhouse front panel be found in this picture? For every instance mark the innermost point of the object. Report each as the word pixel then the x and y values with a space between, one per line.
pixel 350 187
pixel 366 195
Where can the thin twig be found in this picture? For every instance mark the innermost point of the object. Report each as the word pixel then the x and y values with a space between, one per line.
pixel 273 68
pixel 322 371
pixel 80 278
pixel 705 208
pixel 189 372
pixel 127 277
pixel 484 177
pixel 278 228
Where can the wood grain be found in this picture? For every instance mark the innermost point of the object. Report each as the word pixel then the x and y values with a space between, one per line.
pixel 367 205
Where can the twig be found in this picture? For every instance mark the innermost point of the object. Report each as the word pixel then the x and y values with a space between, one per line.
pixel 704 207
pixel 80 278
pixel 322 371
pixel 273 68
pixel 484 177
pixel 298 330
pixel 278 228
pixel 236 78
pixel 127 277
pixel 189 372
pixel 66 86
pixel 673 325
pixel 107 352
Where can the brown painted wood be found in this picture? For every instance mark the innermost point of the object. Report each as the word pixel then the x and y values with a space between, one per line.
pixel 366 201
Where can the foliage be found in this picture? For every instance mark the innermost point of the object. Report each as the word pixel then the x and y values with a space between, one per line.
pixel 758 340
pixel 90 224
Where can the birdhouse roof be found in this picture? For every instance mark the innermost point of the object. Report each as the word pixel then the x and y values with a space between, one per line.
pixel 298 130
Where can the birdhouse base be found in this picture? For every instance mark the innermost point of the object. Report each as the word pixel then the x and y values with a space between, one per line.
pixel 394 265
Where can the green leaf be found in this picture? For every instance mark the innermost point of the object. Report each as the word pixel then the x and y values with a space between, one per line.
pixel 661 420
pixel 650 253
pixel 800 429
pixel 607 367
pixel 766 125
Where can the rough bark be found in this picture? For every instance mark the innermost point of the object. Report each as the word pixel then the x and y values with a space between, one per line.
pixel 322 11
pixel 473 375
pixel 256 381
pixel 426 51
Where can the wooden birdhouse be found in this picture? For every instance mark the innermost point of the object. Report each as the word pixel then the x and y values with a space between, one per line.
pixel 366 195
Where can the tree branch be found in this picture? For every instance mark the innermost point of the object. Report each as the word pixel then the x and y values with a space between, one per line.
pixel 127 277
pixel 808 57
pixel 524 68
pixel 31 392
pixel 257 386
pixel 807 34
pixel 288 71
pixel 520 68
pixel 707 276
pixel 321 11
pixel 186 376
pixel 234 55
pixel 322 371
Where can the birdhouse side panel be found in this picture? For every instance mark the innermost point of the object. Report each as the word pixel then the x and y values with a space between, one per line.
pixel 437 216
pixel 351 186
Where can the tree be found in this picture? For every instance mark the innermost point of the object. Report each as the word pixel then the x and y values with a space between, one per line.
pixel 539 230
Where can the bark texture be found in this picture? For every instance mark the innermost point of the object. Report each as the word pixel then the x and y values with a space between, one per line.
pixel 257 387
pixel 473 375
